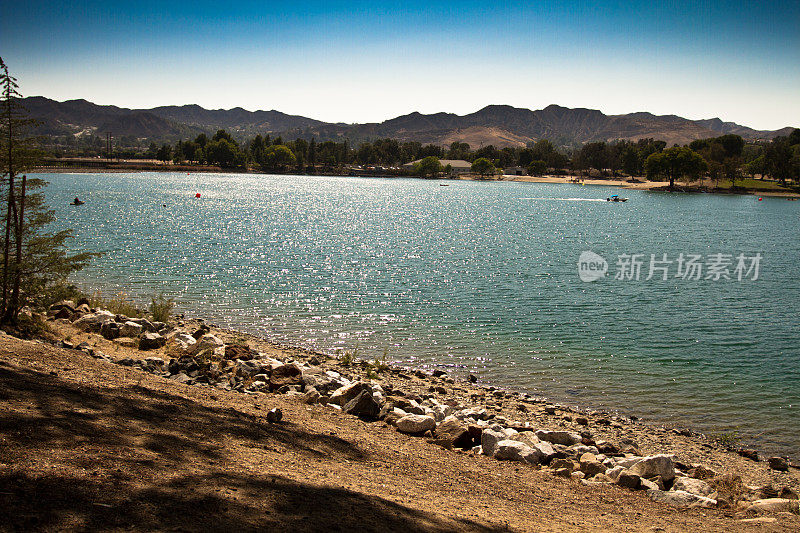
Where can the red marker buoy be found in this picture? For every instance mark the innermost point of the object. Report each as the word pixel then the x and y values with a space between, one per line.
pixel 198 196
pixel 759 198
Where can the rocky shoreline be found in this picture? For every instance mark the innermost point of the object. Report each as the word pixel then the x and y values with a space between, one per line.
pixel 675 467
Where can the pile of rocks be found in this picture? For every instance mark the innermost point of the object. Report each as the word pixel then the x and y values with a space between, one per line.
pixel 199 357
pixel 134 332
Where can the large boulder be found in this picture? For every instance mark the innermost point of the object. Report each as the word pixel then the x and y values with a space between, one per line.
pixel 110 330
pixel 546 451
pixel 130 329
pixel 492 436
pixel 416 424
pixel 206 342
pixel 628 479
pixel 655 465
pixel 344 394
pixel 288 374
pixel 147 326
pixel 246 369
pixel 513 450
pixel 695 486
pixel 183 341
pixel 363 405
pixel 701 472
pixel 590 465
pixel 778 463
pixel 565 438
pixel 151 341
pixel 453 433
pixel 680 498
pixel 238 351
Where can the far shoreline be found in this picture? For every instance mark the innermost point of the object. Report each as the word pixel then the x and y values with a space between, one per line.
pixel 640 183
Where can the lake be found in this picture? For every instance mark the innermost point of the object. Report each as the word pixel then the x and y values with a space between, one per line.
pixel 479 278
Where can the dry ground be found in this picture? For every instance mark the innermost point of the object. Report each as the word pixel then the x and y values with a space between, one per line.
pixel 89 445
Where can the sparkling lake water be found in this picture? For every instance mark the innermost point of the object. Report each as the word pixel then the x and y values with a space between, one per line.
pixel 475 277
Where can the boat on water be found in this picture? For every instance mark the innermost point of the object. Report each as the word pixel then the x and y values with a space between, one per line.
pixel 444 185
pixel 76 201
pixel 616 198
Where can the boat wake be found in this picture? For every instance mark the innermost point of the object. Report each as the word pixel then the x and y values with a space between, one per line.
pixel 569 199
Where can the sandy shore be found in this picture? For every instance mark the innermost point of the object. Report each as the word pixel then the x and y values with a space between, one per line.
pixel 608 183
pixel 90 444
pixel 642 185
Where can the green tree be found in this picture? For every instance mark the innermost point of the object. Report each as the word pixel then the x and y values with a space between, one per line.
pixel 164 153
pixel 778 159
pixel 277 158
pixel 537 167
pixel 483 167
pixel 34 259
pixel 224 153
pixel 429 167
pixel 675 163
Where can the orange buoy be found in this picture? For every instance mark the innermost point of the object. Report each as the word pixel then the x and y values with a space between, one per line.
pixel 198 195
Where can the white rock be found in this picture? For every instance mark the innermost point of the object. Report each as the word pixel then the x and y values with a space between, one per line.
pixel 655 465
pixel 344 394
pixel 566 438
pixel 512 450
pixel 130 329
pixel 695 486
pixel 680 498
pixel 645 484
pixel 775 505
pixel 207 341
pixel 627 462
pixel 580 449
pixel 545 449
pixel 92 320
pixel 759 520
pixel 183 340
pixel 416 423
pixel 491 436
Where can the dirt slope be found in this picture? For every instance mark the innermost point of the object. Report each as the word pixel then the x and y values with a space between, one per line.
pixel 89 445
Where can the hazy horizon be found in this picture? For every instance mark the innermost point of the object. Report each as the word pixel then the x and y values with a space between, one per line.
pixel 357 62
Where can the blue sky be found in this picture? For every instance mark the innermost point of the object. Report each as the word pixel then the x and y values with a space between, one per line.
pixel 368 61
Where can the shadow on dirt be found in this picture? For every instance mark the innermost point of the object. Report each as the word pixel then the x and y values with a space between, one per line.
pixel 157 461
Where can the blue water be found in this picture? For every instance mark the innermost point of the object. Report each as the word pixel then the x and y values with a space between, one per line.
pixel 475 277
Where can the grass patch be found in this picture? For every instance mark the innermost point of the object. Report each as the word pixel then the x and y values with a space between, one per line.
pixel 751 183
pixel 348 357
pixel 161 308
pixel 728 439
pixel 122 305
pixel 28 327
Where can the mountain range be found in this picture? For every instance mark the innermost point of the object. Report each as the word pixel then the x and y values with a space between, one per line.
pixel 500 125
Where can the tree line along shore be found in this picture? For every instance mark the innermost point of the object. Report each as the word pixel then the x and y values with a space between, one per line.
pixel 725 162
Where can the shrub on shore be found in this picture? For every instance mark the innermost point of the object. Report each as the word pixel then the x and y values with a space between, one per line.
pixel 161 307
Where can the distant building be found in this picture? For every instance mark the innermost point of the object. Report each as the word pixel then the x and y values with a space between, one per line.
pixel 514 171
pixel 458 166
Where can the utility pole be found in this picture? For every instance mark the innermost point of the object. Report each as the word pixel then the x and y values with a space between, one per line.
pixel 108 144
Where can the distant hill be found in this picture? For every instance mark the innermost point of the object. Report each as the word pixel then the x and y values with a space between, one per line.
pixel 500 125
pixel 237 121
pixel 80 117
